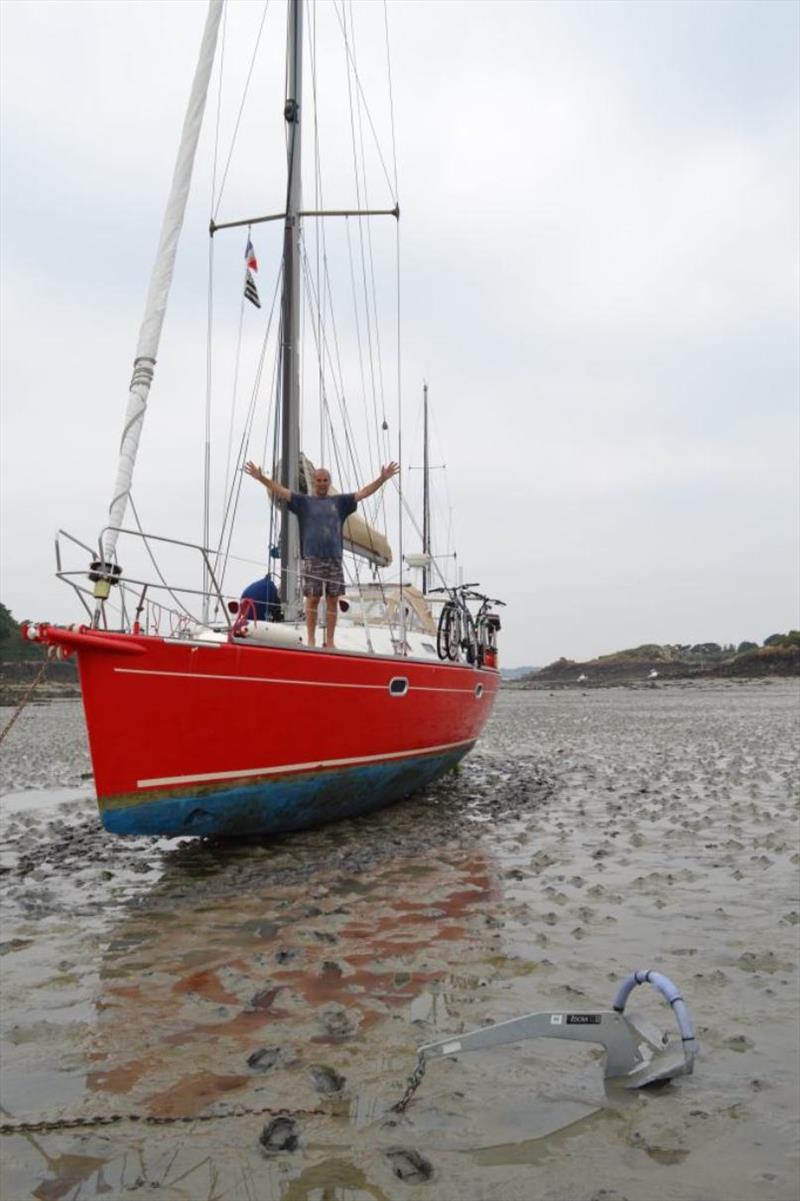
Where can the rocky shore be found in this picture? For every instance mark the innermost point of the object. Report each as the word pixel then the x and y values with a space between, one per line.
pixel 769 662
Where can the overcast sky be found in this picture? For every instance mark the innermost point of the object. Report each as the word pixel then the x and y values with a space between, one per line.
pixel 599 280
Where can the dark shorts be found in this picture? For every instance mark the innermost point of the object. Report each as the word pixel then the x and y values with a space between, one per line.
pixel 323 576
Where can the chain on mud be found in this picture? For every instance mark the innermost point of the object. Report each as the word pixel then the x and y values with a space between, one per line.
pixel 26 698
pixel 414 1081
pixel 53 1125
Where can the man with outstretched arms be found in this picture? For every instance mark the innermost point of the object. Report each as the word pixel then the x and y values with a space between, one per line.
pixel 321 518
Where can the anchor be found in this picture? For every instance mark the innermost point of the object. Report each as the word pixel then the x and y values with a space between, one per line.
pixel 637 1052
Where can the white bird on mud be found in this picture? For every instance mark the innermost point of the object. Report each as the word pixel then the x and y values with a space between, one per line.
pixel 582 679
pixel 653 675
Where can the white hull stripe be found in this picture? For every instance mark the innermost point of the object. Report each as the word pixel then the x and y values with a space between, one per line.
pixel 314 765
pixel 191 675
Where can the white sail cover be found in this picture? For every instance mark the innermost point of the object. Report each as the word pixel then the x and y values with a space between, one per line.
pixel 161 278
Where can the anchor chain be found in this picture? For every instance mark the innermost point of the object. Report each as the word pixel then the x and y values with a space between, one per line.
pixel 414 1081
pixel 52 1125
pixel 26 697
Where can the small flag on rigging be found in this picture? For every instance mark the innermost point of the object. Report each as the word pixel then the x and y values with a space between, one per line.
pixel 250 290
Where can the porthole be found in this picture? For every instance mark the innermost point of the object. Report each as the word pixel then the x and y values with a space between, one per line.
pixel 398 686
pixel 478 691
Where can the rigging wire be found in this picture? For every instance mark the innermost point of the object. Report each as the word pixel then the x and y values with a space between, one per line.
pixel 350 456
pixel 353 287
pixel 236 366
pixel 340 456
pixel 359 171
pixel 229 519
pixel 366 106
pixel 319 226
pixel 394 166
pixel 368 224
pixel 400 443
pixel 346 422
pixel 357 323
pixel 216 206
pixel 391 100
pixel 156 568
pixel 209 331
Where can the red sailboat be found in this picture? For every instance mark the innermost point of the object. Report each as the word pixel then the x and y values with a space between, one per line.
pixel 229 723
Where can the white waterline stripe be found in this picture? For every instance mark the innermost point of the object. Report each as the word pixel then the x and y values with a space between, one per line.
pixel 191 675
pixel 314 765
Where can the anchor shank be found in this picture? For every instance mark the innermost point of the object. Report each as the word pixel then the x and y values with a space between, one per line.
pixel 610 1030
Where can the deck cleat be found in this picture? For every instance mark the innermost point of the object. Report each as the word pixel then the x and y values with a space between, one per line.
pixel 637 1052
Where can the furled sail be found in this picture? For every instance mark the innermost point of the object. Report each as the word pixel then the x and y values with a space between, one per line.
pixel 161 278
pixel 359 537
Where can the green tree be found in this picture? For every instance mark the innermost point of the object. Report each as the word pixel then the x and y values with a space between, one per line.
pixel 13 647
pixel 790 639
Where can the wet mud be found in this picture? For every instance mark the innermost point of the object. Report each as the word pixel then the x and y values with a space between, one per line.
pixel 263 1000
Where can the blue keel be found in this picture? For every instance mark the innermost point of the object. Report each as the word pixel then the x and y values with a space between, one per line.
pixel 281 804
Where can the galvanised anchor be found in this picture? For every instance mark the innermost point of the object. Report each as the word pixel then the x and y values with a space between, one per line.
pixel 637 1052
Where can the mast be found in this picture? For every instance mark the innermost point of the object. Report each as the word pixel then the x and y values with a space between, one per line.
pixel 290 314
pixel 426 495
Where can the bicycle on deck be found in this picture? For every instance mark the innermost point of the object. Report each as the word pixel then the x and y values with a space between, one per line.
pixel 460 633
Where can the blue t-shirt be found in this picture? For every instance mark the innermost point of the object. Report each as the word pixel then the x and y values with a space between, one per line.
pixel 321 519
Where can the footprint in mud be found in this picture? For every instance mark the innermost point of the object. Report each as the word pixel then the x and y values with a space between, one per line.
pixel 658 1151
pixel 264 1059
pixel 326 1080
pixel 337 1023
pixel 409 1166
pixel 281 1134
pixel 738 1042
pixel 763 961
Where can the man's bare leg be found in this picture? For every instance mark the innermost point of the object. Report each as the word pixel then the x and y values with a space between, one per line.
pixel 312 605
pixel 332 612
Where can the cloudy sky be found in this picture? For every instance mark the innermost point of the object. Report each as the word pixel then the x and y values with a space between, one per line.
pixel 599 281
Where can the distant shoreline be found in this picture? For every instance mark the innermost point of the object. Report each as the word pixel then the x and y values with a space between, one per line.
pixel 766 662
pixel 645 685
pixel 60 682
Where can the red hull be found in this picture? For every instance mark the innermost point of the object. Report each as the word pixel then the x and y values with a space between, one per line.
pixel 171 718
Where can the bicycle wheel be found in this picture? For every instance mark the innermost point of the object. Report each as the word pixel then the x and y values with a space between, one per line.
pixel 448 634
pixel 469 637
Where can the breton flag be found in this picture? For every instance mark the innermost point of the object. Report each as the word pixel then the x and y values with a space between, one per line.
pixel 250 289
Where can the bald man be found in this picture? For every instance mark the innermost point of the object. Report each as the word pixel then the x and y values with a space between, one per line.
pixel 321 518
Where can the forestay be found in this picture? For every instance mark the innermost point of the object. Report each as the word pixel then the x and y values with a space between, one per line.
pixel 161 279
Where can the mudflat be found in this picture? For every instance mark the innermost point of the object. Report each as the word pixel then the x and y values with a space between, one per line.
pixel 264 1000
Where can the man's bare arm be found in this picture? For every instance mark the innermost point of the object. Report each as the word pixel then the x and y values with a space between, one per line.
pixel 276 490
pixel 386 474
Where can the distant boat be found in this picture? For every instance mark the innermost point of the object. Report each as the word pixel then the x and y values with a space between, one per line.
pixel 227 725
